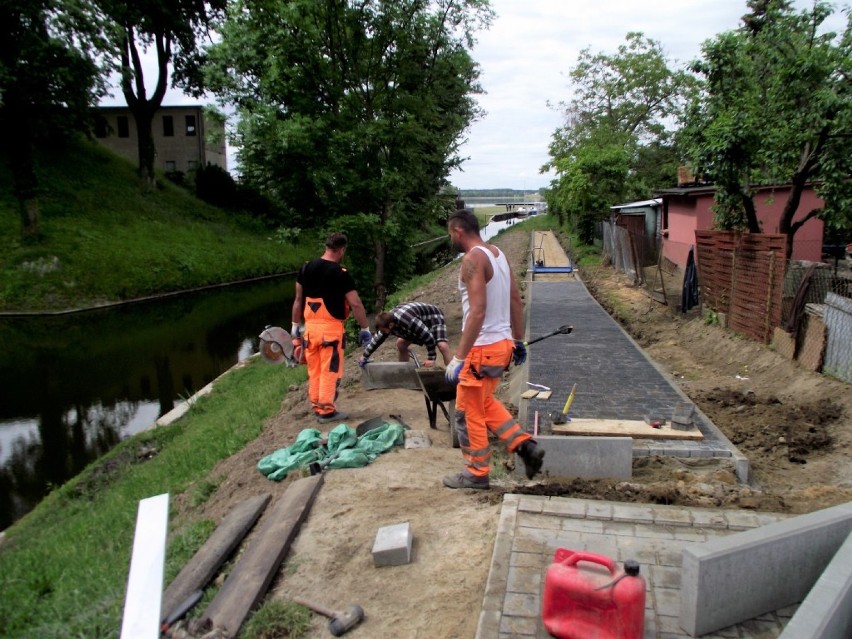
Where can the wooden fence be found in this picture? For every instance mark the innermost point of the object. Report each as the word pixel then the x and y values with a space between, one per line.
pixel 742 275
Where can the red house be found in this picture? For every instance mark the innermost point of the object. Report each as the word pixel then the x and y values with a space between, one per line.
pixel 687 209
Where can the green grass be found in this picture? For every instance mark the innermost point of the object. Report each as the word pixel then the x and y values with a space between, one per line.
pixel 106 238
pixel 63 567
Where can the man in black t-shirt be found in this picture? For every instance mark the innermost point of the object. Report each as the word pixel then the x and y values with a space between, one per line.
pixel 325 295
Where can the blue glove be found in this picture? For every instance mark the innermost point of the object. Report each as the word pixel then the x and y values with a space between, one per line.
pixel 363 361
pixel 451 374
pixel 519 354
pixel 364 337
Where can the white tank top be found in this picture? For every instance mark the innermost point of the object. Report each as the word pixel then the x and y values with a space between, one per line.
pixel 497 324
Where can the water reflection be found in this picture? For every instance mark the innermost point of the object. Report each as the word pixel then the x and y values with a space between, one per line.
pixel 73 386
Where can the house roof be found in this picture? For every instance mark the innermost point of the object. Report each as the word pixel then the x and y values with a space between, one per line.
pixel 635 205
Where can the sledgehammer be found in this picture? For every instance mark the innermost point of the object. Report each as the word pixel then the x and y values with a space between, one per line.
pixel 339 623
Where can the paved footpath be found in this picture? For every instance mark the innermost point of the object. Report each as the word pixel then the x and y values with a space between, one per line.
pixel 531 528
pixel 615 380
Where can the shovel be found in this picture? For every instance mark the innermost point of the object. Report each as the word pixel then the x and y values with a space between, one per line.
pixel 562 330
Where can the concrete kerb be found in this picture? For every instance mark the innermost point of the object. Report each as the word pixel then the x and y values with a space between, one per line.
pixel 826 613
pixel 741 576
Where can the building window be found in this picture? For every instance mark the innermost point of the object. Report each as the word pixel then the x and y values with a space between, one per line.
pixel 168 126
pixel 171 166
pixel 100 127
pixel 123 127
pixel 190 125
pixel 192 164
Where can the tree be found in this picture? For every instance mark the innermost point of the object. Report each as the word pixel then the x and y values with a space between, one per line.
pixel 48 81
pixel 351 108
pixel 172 28
pixel 617 140
pixel 775 108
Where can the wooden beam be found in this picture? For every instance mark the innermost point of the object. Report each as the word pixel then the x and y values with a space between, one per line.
pixel 250 579
pixel 623 428
pixel 145 582
pixel 206 562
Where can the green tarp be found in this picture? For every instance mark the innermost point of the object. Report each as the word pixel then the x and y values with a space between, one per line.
pixel 342 449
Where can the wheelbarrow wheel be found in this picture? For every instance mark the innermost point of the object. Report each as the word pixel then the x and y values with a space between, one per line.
pixel 454 435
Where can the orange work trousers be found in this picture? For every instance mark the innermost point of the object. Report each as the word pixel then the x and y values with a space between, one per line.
pixel 478 411
pixel 324 359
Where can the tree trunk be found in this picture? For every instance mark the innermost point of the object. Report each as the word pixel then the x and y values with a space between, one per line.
pixel 147 151
pixel 25 180
pixel 379 287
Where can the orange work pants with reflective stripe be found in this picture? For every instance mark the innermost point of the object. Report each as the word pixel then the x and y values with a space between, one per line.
pixel 478 411
pixel 324 358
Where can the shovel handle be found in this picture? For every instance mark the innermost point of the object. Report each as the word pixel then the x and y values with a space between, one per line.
pixel 570 399
pixel 562 330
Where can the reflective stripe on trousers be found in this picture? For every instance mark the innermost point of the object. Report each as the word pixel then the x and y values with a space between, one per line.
pixel 323 356
pixel 478 411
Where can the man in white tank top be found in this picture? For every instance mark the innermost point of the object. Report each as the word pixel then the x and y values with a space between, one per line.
pixel 492 337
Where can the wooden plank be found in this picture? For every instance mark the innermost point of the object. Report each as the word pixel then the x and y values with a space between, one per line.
pixel 145 582
pixel 529 394
pixel 544 394
pixel 250 579
pixel 199 570
pixel 623 428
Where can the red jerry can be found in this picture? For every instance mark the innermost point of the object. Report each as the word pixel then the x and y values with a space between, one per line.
pixel 593 603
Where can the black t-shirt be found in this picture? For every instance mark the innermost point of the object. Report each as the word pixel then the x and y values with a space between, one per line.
pixel 328 280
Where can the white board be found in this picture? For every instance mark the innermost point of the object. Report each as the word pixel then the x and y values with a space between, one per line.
pixel 145 582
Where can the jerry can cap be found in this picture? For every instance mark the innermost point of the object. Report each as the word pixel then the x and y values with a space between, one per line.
pixel 631 567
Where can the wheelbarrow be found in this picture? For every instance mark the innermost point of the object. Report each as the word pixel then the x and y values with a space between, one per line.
pixel 437 390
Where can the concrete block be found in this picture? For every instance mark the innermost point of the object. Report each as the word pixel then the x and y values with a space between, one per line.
pixel 737 577
pixel 826 613
pixel 392 546
pixel 584 457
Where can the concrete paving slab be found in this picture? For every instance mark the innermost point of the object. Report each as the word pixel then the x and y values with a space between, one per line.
pixel 531 528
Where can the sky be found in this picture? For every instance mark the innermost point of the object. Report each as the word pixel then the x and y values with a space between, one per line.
pixel 525 58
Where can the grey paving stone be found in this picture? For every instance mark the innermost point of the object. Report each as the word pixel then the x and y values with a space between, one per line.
pixel 668 603
pixel 518 627
pixel 670 516
pixel 633 513
pixel 564 507
pixel 521 605
pixel 665 577
pixel 538 520
pixel 526 559
pixel 525 580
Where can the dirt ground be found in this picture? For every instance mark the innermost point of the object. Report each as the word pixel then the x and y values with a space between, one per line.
pixel 793 425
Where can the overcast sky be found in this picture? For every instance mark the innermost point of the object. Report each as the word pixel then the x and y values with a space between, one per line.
pixel 525 58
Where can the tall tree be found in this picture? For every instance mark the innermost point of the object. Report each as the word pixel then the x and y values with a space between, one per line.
pixel 173 29
pixel 48 81
pixel 776 108
pixel 617 140
pixel 351 108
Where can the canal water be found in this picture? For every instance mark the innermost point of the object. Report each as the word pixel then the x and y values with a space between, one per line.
pixel 73 386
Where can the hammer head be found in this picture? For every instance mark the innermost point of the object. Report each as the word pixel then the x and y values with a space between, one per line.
pixel 346 620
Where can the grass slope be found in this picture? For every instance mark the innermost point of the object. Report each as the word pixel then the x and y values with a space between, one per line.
pixel 106 238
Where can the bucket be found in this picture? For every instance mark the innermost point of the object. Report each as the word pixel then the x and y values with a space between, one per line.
pixel 593 602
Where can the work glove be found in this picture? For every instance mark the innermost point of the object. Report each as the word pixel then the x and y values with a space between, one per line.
pixel 296 330
pixel 519 354
pixel 451 374
pixel 364 337
pixel 363 361
pixel 298 350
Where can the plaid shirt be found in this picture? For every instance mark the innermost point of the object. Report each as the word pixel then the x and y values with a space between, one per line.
pixel 416 322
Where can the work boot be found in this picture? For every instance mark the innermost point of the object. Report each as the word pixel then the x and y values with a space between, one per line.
pixel 462 480
pixel 532 456
pixel 336 416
